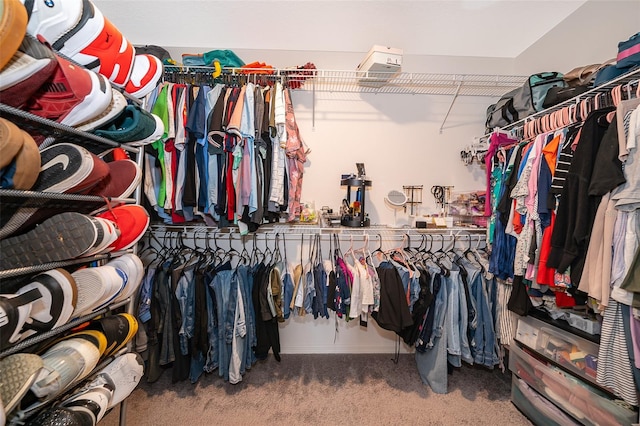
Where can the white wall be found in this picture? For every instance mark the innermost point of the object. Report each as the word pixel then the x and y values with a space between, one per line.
pixel 590 35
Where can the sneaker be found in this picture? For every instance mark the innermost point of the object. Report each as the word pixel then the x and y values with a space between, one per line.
pixel 67 362
pixel 59 416
pixel 124 177
pixel 92 400
pixel 29 68
pixel 72 96
pixel 49 20
pixel 133 267
pixel 17 374
pixel 125 371
pixel 97 287
pixel 66 168
pixel 13 26
pixel 62 237
pixel 112 385
pixel 51 299
pixel 133 221
pixel 110 233
pixel 11 140
pixel 146 73
pixel 27 164
pixel 98 45
pixel 115 108
pixel 134 126
pixel 118 329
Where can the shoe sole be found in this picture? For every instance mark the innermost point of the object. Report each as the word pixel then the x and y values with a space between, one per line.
pixel 117 105
pixel 13 26
pixel 140 91
pixel 20 68
pixel 61 237
pixel 157 134
pixel 18 373
pixel 94 104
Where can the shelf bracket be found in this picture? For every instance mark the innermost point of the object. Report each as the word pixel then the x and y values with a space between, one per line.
pixel 455 96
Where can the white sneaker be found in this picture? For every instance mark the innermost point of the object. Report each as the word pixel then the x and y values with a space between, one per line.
pixel 132 266
pixel 52 20
pixel 97 287
pixel 125 373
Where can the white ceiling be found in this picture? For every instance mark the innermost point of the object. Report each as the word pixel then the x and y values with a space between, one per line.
pixel 480 28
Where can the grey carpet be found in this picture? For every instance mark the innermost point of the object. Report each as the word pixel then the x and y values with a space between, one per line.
pixel 325 389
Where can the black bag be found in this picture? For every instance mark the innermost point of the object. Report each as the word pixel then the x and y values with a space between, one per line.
pixel 519 301
pixel 523 101
pixel 555 95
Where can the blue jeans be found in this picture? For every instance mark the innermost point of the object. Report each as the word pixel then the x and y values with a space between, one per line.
pixel 185 293
pixel 221 284
pixel 211 362
pixel 452 319
pixel 245 281
pixel 432 363
pixel 485 337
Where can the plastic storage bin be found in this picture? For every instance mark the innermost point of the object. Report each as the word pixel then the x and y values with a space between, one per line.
pixel 583 402
pixel 536 407
pixel 578 355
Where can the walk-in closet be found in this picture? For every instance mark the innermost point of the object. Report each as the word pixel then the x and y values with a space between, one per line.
pixel 219 212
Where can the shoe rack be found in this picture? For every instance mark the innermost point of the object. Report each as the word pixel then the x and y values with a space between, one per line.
pixel 53 133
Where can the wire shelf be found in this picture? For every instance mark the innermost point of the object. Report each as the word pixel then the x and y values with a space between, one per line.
pixel 345 81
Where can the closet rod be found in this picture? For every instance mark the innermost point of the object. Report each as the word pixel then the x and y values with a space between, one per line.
pixel 308 229
pixel 190 235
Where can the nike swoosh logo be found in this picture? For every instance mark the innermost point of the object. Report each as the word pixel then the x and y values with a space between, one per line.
pixel 58 159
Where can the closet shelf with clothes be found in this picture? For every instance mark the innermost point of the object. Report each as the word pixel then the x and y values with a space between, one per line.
pixel 575 109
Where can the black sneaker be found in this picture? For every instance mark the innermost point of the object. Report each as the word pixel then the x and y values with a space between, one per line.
pixel 64 236
pixel 66 168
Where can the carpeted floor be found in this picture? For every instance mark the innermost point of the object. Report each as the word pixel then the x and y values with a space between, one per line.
pixel 326 389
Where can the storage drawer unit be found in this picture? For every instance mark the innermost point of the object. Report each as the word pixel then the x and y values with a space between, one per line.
pixel 583 402
pixel 536 407
pixel 578 355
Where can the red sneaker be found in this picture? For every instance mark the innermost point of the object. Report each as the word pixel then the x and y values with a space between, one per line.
pixel 72 96
pixel 147 70
pixel 97 44
pixel 132 220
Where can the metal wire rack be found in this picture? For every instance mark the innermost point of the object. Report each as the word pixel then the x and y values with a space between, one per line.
pixel 346 81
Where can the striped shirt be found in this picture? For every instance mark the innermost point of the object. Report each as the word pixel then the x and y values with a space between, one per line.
pixel 614 366
pixel 564 161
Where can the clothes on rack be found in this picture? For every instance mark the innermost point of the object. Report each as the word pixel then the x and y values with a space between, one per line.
pixel 208 309
pixel 230 155
pixel 567 222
